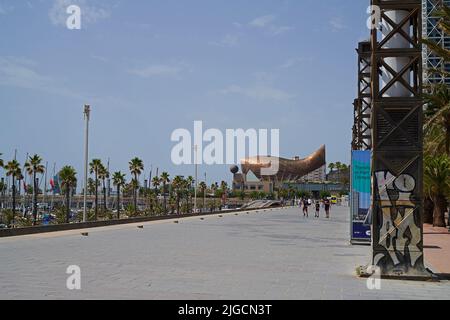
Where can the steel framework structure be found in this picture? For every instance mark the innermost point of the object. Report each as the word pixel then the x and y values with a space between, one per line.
pixel 431 31
pixel 397 156
pixel 362 129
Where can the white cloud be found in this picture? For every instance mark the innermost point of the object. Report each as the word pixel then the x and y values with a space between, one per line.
pixel 100 58
pixel 89 13
pixel 337 24
pixel 258 92
pixel 22 73
pixel 262 22
pixel 5 9
pixel 291 63
pixel 19 72
pixel 228 40
pixel 266 22
pixel 161 70
pixel 276 30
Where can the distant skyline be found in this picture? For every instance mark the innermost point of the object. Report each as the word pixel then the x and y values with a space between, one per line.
pixel 148 68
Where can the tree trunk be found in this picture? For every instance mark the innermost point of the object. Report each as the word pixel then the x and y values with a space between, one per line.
pixel 104 197
pixel 96 197
pixel 35 192
pixel 165 200
pixel 68 205
pixel 440 206
pixel 13 199
pixel 118 202
pixel 428 210
pixel 204 198
pixel 135 194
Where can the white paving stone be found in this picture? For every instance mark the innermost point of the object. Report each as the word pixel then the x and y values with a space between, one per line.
pixel 271 255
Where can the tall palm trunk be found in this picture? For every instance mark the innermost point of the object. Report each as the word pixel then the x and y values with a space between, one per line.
pixel 204 200
pixel 14 199
pixel 428 210
pixel 165 200
pixel 118 202
pixel 440 206
pixel 96 197
pixel 104 196
pixel 68 205
pixel 35 192
pixel 135 193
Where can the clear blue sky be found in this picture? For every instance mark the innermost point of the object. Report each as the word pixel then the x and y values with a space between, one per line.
pixel 149 67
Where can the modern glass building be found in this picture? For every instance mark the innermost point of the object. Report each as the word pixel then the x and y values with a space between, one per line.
pixel 431 31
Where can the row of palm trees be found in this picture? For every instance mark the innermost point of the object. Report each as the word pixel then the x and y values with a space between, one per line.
pixel 181 189
pixel 34 166
pixel 339 166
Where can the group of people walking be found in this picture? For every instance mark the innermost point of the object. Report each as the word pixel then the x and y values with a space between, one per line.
pixel 306 203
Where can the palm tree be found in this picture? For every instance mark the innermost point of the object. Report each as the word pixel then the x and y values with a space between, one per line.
pixel 437 113
pixel 95 168
pixel 34 166
pixel 214 188
pixel 119 182
pixel 224 188
pixel 165 180
pixel 331 166
pixel 189 183
pixel 91 186
pixel 156 181
pixel 68 178
pixel 437 185
pixel 1 161
pixel 103 174
pixel 338 166
pixel 203 188
pixel 136 168
pixel 13 170
pixel 177 186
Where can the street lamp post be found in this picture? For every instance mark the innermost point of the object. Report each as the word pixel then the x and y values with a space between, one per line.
pixel 87 111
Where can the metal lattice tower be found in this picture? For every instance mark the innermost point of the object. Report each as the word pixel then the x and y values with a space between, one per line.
pixel 431 31
pixel 362 129
pixel 397 142
pixel 363 104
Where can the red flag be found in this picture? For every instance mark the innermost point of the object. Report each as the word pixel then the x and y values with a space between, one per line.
pixel 52 184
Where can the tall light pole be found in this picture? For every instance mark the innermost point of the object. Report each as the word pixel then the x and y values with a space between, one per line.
pixel 196 182
pixel 87 111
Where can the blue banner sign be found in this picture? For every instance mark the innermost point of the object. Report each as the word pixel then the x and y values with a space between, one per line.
pixel 360 196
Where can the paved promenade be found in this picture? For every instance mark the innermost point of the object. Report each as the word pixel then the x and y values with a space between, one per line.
pixel 437 248
pixel 267 255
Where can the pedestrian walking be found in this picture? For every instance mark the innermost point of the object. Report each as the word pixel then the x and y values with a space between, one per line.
pixel 317 210
pixel 305 208
pixel 327 205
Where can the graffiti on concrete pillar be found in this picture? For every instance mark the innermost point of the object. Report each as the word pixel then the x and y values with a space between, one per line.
pixel 399 232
